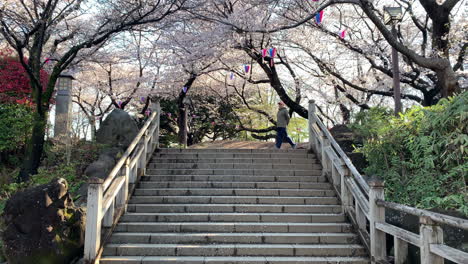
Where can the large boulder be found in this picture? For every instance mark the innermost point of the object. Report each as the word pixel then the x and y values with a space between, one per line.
pixel 43 226
pixel 105 163
pixel 117 130
pixel 348 141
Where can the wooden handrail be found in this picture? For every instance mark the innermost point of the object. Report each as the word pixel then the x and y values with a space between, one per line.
pixel 368 200
pixel 127 152
pixel 449 253
pixel 436 217
pixel 362 183
pixel 107 199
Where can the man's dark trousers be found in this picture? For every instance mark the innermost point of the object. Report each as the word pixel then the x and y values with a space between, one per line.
pixel 281 135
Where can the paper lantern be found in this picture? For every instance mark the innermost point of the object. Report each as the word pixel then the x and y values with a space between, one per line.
pixel 319 17
pixel 246 68
pixel 272 52
pixel 343 34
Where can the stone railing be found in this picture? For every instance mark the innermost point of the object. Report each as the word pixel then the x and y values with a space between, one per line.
pixel 107 199
pixel 364 204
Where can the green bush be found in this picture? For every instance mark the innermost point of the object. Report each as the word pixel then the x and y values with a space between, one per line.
pixel 422 154
pixel 15 129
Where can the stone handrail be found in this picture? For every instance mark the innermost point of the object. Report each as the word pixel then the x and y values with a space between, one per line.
pixel 107 199
pixel 365 206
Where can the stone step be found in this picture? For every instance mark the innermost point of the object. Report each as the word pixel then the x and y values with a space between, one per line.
pixel 315 250
pixel 261 200
pixel 234 178
pixel 206 206
pixel 231 208
pixel 230 185
pixel 231 260
pixel 132 223
pixel 239 160
pixel 232 192
pixel 174 150
pixel 147 214
pixel 237 166
pixel 253 172
pixel 233 238
pixel 233 156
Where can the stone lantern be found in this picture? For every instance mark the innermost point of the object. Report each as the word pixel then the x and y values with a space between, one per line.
pixel 393 15
pixel 63 106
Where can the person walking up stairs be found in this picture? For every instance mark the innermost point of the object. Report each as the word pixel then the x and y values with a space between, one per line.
pixel 282 122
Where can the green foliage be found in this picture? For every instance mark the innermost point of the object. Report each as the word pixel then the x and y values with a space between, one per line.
pixel 54 166
pixel 422 154
pixel 15 129
pixel 210 117
pixel 297 129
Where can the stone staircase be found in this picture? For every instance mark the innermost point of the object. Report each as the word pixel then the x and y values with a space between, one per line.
pixel 233 206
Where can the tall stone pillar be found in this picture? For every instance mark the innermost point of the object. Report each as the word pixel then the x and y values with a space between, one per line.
pixel 63 107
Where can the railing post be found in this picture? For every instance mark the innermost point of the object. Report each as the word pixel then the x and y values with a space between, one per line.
pixel 122 197
pixel 430 233
pixel 325 157
pixel 334 176
pixel 134 175
pixel 346 196
pixel 108 218
pixel 311 116
pixel 157 122
pixel 144 154
pixel 360 217
pixel 376 215
pixel 401 250
pixel 93 220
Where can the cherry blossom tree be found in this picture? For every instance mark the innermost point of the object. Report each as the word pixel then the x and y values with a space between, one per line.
pixel 290 26
pixel 61 31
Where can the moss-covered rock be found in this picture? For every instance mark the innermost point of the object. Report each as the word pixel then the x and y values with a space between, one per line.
pixel 43 226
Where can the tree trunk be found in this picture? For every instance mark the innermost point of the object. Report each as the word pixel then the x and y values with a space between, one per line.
pixel 92 122
pixel 447 79
pixel 34 149
pixel 181 121
pixel 440 16
pixel 275 82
